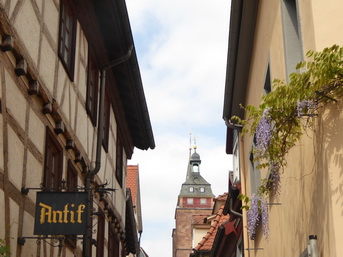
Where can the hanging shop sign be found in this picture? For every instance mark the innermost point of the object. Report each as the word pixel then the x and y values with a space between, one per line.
pixel 61 213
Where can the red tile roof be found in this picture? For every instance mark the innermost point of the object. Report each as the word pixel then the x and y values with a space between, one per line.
pixel 221 197
pixel 207 241
pixel 199 219
pixel 132 181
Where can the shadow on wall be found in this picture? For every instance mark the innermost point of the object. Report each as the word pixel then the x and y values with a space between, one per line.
pixel 327 199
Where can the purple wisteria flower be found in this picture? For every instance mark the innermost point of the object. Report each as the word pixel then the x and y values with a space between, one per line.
pixel 264 132
pixel 265 218
pixel 306 107
pixel 253 216
pixel 258 209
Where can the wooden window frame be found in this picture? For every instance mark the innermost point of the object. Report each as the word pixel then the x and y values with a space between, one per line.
pixel 67 38
pixel 92 89
pixel 72 177
pixel 53 163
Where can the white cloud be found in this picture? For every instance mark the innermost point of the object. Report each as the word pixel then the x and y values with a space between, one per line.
pixel 182 50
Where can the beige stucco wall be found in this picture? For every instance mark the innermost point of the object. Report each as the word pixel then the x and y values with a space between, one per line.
pixel 198 234
pixel 35 31
pixel 311 195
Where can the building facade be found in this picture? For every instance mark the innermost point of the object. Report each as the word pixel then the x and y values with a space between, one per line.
pixel 72 112
pixel 195 199
pixel 266 41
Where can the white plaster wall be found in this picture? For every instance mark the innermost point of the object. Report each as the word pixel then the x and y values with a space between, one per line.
pixel 16 159
pixel 30 247
pixel 51 15
pixel 36 131
pixel 47 64
pixel 14 217
pixel 12 6
pixel 39 4
pixel 15 101
pixel 34 175
pixel 28 27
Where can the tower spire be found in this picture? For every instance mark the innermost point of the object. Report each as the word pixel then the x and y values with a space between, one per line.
pixel 195 144
pixel 190 144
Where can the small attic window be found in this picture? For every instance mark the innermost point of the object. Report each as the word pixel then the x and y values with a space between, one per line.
pixel 202 190
pixel 191 189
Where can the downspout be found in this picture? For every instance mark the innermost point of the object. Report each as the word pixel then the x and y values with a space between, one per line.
pixel 244 192
pixel 232 211
pixel 87 240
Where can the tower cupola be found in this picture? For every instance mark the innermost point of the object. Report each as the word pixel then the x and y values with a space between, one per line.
pixel 195 161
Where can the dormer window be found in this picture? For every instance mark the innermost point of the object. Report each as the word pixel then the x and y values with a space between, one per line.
pixel 191 189
pixel 202 190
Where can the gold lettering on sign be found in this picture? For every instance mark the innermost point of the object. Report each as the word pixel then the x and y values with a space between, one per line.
pixel 45 211
pixel 79 211
pixel 47 214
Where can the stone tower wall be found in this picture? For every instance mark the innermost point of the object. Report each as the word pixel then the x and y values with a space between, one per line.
pixel 183 238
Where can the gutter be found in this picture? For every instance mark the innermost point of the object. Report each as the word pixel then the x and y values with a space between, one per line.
pixel 123 15
pixel 88 237
pixel 241 42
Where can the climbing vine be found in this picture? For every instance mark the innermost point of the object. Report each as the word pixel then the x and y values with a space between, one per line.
pixel 4 250
pixel 284 115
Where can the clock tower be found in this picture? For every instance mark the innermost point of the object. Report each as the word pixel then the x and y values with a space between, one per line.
pixel 195 200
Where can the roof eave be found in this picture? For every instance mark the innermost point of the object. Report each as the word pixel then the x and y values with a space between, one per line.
pixel 146 139
pixel 241 39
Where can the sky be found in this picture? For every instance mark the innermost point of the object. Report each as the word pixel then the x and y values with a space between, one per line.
pixel 182 51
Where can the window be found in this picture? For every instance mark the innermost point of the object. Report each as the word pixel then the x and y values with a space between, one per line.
pixel 119 161
pixel 106 123
pixel 267 85
pixel 71 177
pixel 53 164
pixel 291 35
pixel 100 235
pixel 191 189
pixel 189 200
pixel 255 174
pixel 195 168
pixel 202 190
pixel 203 201
pixel 236 167
pixel 67 36
pixel 92 89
